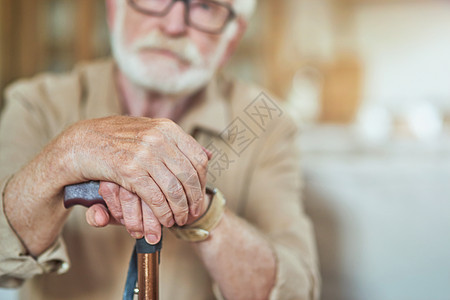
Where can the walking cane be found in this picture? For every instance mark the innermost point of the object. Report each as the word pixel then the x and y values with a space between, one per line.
pixel 144 262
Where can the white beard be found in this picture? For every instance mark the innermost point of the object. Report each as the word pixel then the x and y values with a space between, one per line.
pixel 164 75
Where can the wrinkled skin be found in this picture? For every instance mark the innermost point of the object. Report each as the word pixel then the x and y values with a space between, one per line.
pixel 152 172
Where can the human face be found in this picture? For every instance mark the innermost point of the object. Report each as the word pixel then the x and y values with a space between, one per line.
pixel 163 54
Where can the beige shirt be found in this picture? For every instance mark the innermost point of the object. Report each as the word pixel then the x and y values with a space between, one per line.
pixel 255 165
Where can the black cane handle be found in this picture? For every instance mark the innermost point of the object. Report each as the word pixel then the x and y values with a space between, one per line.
pixel 85 194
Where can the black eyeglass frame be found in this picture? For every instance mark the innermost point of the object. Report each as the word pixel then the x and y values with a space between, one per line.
pixel 232 14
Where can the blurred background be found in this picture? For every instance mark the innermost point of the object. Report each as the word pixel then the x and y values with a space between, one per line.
pixel 368 82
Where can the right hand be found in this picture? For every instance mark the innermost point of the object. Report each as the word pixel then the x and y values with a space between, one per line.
pixel 153 159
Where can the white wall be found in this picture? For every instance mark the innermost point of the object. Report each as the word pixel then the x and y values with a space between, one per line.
pixel 405 48
pixel 381 217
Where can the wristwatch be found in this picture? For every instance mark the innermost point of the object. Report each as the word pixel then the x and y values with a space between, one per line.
pixel 200 229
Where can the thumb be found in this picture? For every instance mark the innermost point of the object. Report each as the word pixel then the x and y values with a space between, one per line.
pixel 98 216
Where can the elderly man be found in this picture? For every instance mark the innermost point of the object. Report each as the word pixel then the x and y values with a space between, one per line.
pixel 137 124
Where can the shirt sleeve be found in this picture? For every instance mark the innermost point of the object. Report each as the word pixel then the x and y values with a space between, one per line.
pixel 274 205
pixel 22 134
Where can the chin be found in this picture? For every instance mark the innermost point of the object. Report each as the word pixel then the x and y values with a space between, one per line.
pixel 166 77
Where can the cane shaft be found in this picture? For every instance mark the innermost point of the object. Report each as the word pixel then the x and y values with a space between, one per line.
pixel 148 275
pixel 86 194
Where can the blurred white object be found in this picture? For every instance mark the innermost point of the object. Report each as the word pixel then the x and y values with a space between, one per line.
pixel 304 99
pixel 425 121
pixel 374 125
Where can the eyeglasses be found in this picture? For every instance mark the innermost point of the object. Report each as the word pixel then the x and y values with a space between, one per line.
pixel 205 15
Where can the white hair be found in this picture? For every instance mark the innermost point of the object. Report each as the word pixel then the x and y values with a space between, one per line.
pixel 245 8
pixel 162 75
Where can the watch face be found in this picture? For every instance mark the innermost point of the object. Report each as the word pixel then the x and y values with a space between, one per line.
pixel 211 190
pixel 197 235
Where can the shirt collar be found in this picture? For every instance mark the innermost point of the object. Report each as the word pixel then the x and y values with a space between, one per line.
pixel 211 113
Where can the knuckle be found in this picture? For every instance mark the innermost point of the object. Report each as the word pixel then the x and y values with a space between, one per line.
pixel 151 225
pixel 202 159
pixel 133 226
pixel 195 199
pixel 194 186
pixel 167 122
pixel 166 217
pixel 192 178
pixel 129 170
pixel 133 162
pixel 181 213
pixel 176 192
pixel 151 230
pixel 108 189
pixel 158 200
pixel 126 196
pixel 170 126
pixel 201 164
pixel 154 138
pixel 117 214
pixel 139 182
pixel 151 221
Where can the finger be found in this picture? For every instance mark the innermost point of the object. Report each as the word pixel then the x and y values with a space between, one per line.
pixel 110 194
pixel 152 227
pixel 192 150
pixel 97 215
pixel 174 193
pixel 132 213
pixel 191 175
pixel 198 158
pixel 208 153
pixel 150 193
pixel 182 169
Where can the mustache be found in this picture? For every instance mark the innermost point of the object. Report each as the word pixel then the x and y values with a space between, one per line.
pixel 182 47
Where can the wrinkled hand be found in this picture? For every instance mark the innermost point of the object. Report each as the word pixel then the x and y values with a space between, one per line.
pixel 153 173
pixel 119 201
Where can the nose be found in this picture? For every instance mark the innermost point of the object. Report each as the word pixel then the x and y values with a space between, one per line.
pixel 173 24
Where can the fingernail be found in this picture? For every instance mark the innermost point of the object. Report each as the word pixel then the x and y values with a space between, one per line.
pixel 97 218
pixel 171 223
pixel 208 153
pixel 192 210
pixel 185 219
pixel 198 211
pixel 151 239
pixel 122 221
pixel 136 235
pixel 91 219
pixel 182 221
